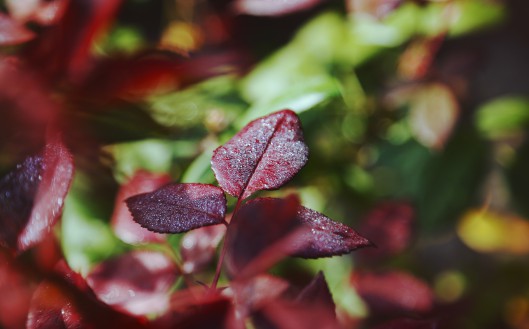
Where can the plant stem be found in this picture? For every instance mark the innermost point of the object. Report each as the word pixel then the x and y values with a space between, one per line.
pixel 224 246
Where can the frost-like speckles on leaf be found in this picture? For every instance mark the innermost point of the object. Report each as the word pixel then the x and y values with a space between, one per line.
pixel 264 155
pixel 178 208
pixel 325 237
pixel 32 196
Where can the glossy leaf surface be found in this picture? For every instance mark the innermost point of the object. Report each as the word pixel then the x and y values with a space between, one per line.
pixel 32 196
pixel 136 283
pixel 122 223
pixel 179 208
pixel 264 155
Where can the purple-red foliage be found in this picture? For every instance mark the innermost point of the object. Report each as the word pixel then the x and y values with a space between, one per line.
pixel 179 208
pixel 32 196
pixel 264 155
pixel 122 223
pixel 137 282
pixel 390 224
pixel 393 293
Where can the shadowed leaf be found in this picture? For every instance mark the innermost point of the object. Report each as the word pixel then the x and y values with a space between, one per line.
pixel 179 208
pixel 264 155
pixel 317 293
pixel 262 232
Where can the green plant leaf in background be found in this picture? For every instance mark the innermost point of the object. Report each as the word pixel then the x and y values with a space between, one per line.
pixel 503 117
pixel 86 238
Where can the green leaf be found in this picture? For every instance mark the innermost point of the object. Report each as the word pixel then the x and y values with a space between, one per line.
pixel 504 116
pixel 190 107
pixel 85 238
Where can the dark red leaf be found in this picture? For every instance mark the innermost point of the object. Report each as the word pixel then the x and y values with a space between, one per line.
pixel 32 196
pixel 262 232
pixel 325 237
pixel 264 155
pixel 130 78
pixel 64 49
pixel 179 208
pixel 137 282
pixel 405 323
pixel 12 32
pixel 66 301
pixel 122 223
pixel 252 294
pixel 393 293
pixel 273 7
pixel 317 293
pixel 390 226
pixel 17 289
pixel 194 308
pixel 198 247
pixel 286 314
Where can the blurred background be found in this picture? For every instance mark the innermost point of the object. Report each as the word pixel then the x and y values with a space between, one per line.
pixel 416 114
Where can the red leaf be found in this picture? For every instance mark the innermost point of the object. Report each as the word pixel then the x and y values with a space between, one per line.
pixel 131 78
pixel 122 223
pixel 262 232
pixel 192 309
pixel 198 247
pixel 32 196
pixel 390 225
pixel 136 283
pixel 179 208
pixel 393 293
pixel 287 314
pixel 405 323
pixel 252 294
pixel 264 155
pixel 64 49
pixel 317 293
pixel 67 302
pixel 16 289
pixel 325 237
pixel 273 7
pixel 12 32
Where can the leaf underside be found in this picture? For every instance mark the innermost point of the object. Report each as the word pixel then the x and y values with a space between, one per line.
pixel 178 208
pixel 264 155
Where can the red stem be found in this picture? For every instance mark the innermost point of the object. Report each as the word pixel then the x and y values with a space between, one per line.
pixel 224 246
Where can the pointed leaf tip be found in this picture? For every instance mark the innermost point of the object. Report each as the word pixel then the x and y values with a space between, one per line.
pixel 178 208
pixel 264 155
pixel 325 237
